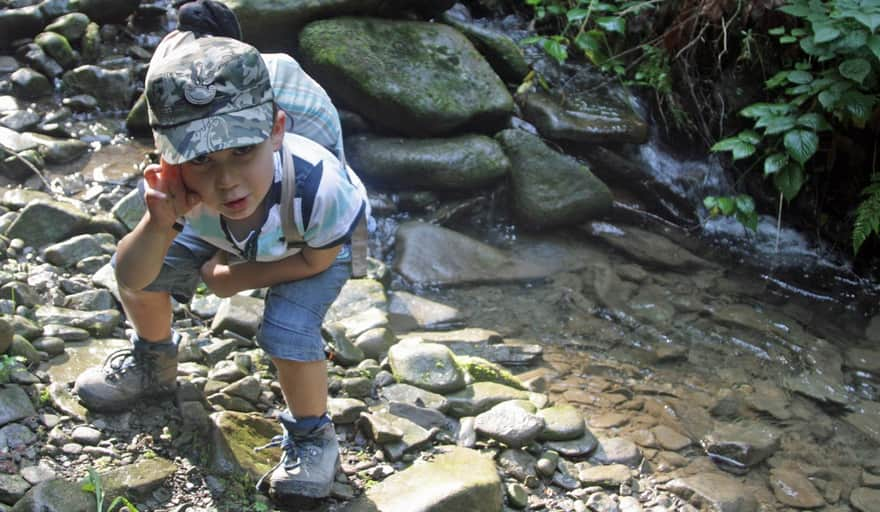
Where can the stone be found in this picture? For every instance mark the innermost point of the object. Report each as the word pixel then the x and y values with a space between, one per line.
pixel 241 315
pixel 14 404
pixel 374 343
pixel 413 395
pixel 12 488
pixel 113 88
pixel 669 439
pixel 345 352
pixel 16 436
pixel 480 397
pixel 247 388
pixel 509 423
pixel 99 323
pixel 715 490
pixel 427 365
pixel 550 188
pixel 611 475
pixel 865 500
pixel 562 423
pixel 794 489
pixel 424 92
pixel 504 55
pixel 69 252
pixel 41 223
pixel 72 25
pixel 617 450
pixel 345 410
pixel 579 447
pixel 741 445
pixel 518 464
pixel 234 437
pixel 460 479
pixel 56 496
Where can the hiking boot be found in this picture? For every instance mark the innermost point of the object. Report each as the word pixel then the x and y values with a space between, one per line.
pixel 309 461
pixel 128 375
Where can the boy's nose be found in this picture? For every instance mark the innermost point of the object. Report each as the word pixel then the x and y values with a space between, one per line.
pixel 225 178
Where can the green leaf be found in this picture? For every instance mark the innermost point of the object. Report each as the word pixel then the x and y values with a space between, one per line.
pixel 777 79
pixel 829 99
pixel 855 69
pixel 870 20
pixel 789 181
pixel 749 220
pixel 801 144
pixel 739 148
pixel 612 24
pixel 800 77
pixel 591 43
pixel 750 137
pixel 745 204
pixel 859 106
pixel 776 31
pixel 575 15
pixel 555 49
pixel 710 202
pixel 825 32
pixel 773 125
pixel 727 205
pixel 787 40
pixel 774 163
pixel 800 11
pixel 763 109
pixel 814 121
pixel 874 45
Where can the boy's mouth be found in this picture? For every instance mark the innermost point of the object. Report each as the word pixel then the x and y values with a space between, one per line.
pixel 236 204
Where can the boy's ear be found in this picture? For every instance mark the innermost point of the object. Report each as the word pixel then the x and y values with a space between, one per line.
pixel 277 135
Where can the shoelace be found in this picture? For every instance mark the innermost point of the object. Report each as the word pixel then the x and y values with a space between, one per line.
pixel 121 360
pixel 290 458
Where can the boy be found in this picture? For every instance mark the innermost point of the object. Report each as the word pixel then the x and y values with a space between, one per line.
pixel 222 143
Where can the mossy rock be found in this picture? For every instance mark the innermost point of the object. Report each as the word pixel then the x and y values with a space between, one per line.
pixel 486 371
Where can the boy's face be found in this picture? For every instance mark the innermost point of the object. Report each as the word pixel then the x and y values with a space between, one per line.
pixel 235 181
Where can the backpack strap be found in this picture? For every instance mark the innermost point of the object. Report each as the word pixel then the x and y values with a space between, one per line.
pixel 288 192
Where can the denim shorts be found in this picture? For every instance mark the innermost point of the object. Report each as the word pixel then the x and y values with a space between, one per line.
pixel 293 313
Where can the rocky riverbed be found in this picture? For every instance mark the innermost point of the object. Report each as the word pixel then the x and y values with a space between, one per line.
pixel 602 361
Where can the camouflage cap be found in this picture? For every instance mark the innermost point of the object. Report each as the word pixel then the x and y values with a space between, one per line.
pixel 207 94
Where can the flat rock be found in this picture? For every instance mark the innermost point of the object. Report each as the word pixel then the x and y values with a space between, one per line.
pixel 714 490
pixel 794 489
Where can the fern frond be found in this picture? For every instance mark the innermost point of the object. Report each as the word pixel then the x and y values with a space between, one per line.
pixel 867 215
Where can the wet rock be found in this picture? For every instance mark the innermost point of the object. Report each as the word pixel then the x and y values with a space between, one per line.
pixel 6 334
pixel 18 23
pixel 739 446
pixel 69 252
pixel 58 47
pixel 794 489
pixel 648 248
pixel 427 365
pixel 819 387
pixel 235 435
pixel 20 120
pixel 428 254
pixel 608 420
pixel 375 343
pixel 418 78
pixel 15 436
pixel 771 399
pixel 503 54
pixel 670 439
pixel 14 404
pixel 21 293
pixel 43 223
pixel 107 11
pixel 616 450
pixel 58 151
pixel 462 479
pixel 548 187
pixel 562 423
pixel 720 492
pixel 21 347
pixel 579 447
pixel 51 345
pixel 356 296
pixel 65 402
pixel 99 323
pixel 612 475
pixel 28 83
pixel 466 162
pixel 24 326
pixel 584 117
pixel 137 481
pixel 510 423
pixel 865 500
pixel 72 25
pixel 407 311
pixel 863 359
pixel 865 416
pixel 239 314
pixel 86 435
pixel 413 395
pixel 480 397
pixel 113 88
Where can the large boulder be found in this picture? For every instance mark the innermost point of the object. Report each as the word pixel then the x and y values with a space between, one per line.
pixel 105 11
pixel 418 78
pixel 584 117
pixel 458 163
pixel 550 188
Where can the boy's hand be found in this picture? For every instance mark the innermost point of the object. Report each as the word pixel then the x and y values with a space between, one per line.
pixel 165 193
pixel 216 275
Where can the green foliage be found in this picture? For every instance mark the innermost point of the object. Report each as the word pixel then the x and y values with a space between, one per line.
pixel 867 214
pixel 741 206
pixel 830 83
pixel 93 484
pixel 7 363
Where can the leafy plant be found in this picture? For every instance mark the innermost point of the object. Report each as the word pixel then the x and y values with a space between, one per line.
pixel 7 363
pixel 93 485
pixel 831 83
pixel 867 214
pixel 741 206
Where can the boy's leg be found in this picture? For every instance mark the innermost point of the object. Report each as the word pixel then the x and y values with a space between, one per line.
pixel 149 367
pixel 291 335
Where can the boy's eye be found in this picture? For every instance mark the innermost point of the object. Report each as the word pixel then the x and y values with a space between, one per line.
pixel 199 160
pixel 243 150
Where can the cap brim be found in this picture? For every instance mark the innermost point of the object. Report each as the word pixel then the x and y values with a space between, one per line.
pixel 181 143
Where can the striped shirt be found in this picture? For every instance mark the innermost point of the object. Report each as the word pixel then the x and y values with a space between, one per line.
pixel 327 207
